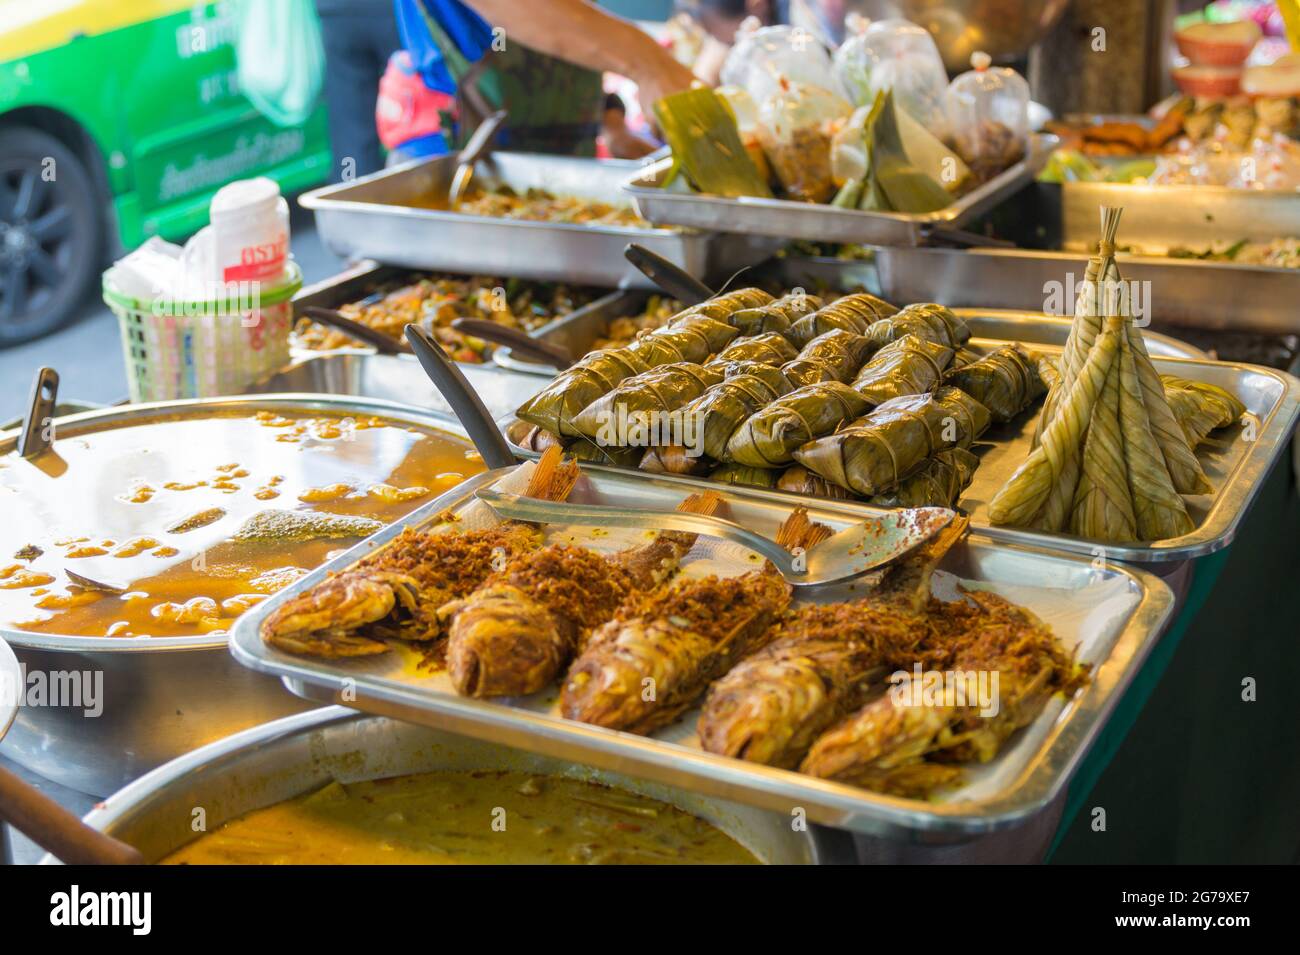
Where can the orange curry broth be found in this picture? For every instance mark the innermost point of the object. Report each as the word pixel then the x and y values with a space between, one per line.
pixel 102 503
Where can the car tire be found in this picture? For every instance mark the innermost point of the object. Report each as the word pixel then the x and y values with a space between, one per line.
pixel 52 230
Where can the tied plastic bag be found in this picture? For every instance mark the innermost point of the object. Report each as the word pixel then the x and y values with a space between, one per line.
pixel 765 56
pixel 895 55
pixel 280 60
pixel 796 126
pixel 745 110
pixel 988 117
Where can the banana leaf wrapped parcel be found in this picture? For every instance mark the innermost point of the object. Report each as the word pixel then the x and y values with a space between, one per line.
pixel 770 349
pixel 938 483
pixel 769 437
pixel 929 321
pixel 1201 407
pixel 721 307
pixel 852 313
pixel 584 450
pixel 797 479
pixel 833 356
pixel 555 406
pixel 692 340
pixel 739 474
pixel 909 366
pixel 776 316
pixel 719 412
pixel 633 405
pixel 674 459
pixel 873 454
pixel 1006 381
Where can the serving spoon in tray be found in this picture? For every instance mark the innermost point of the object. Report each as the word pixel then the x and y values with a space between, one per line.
pixel 843 556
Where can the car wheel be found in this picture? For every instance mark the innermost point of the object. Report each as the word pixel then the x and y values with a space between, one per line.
pixel 51 233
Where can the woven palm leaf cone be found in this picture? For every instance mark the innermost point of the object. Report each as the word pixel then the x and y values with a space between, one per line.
pixel 1103 504
pixel 1159 511
pixel 1087 314
pixel 1046 473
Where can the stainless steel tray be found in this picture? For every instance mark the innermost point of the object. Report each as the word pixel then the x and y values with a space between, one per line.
pixel 1038 766
pixel 781 218
pixel 372 217
pixel 1218 296
pixel 577 332
pixel 358 281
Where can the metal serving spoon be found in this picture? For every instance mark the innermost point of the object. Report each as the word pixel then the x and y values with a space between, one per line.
pixel 848 554
pixel 474 150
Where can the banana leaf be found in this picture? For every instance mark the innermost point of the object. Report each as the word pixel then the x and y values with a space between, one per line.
pixel 906 186
pixel 1200 407
pixel 965 356
pixel 776 316
pixel 833 356
pixel 691 341
pixel 852 313
pixel 555 406
pixel 768 438
pixel 744 476
pixel 721 307
pixel 873 454
pixel 1006 381
pixel 770 349
pixel 717 334
pixel 939 482
pixel 932 322
pixel 908 366
pixel 716 414
pixel 706 143
pixel 674 459
pixel 584 450
pixel 636 411
pixel 797 479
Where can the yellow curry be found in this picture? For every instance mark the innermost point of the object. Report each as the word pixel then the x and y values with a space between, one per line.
pixel 193 520
pixel 456 818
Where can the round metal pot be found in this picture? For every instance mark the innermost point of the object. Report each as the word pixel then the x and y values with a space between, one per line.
pixel 161 697
pixel 269 764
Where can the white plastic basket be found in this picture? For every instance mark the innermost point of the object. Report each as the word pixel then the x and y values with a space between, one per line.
pixel 193 349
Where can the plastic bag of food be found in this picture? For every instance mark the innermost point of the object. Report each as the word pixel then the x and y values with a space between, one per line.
pixel 988 117
pixel 745 110
pixel 894 54
pixel 796 126
pixel 763 57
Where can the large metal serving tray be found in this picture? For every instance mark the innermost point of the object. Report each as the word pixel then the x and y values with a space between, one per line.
pixel 375 217
pixel 676 204
pixel 1217 296
pixel 1028 773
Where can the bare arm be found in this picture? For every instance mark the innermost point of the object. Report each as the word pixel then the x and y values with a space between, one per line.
pixel 582 33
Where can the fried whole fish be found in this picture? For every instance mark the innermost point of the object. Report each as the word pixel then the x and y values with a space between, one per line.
pixel 821 662
pixel 653 661
pixel 908 740
pixel 517 632
pixel 395 592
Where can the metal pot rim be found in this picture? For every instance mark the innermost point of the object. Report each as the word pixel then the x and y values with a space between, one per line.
pixel 70 425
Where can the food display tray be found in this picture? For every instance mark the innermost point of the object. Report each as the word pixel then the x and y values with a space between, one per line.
pixel 1113 635
pixel 1216 296
pixel 675 204
pixel 376 217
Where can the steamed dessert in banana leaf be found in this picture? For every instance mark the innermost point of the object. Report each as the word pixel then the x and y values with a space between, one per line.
pixel 939 482
pixel 673 459
pixel 721 307
pixel 797 479
pixel 832 356
pixel 873 454
pixel 770 349
pixel 610 456
pixel 693 340
pixel 853 313
pixel 769 437
pixel 1006 381
pixel 1200 407
pixel 555 406
pixel 716 414
pixel 743 476
pixel 934 323
pixel 909 366
pixel 776 316
pixel 633 405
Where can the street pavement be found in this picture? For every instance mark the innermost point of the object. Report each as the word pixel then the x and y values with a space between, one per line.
pixel 87 353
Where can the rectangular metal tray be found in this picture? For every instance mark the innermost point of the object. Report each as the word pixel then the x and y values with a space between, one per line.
pixel 1040 761
pixel 1217 296
pixel 373 217
pixel 781 218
